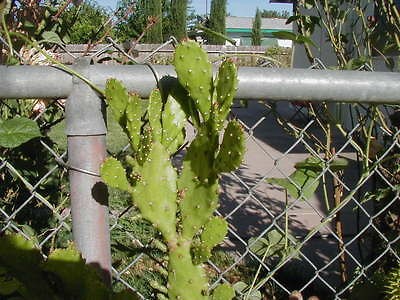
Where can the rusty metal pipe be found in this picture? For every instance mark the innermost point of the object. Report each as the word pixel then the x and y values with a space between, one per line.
pixel 86 137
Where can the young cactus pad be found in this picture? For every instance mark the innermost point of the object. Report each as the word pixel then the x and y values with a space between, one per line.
pixel 180 203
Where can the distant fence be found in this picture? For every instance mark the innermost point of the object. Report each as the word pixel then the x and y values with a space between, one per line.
pixel 141 52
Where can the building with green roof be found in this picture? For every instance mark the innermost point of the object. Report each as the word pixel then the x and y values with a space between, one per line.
pixel 239 29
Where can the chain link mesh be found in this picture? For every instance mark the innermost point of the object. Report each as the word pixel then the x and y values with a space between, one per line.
pixel 326 244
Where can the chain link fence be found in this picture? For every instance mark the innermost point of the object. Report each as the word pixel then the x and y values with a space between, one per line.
pixel 332 240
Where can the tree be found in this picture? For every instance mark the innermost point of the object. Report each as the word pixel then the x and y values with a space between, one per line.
pixel 275 14
pixel 154 13
pixel 134 18
pixel 217 21
pixel 86 22
pixel 256 30
pixel 178 18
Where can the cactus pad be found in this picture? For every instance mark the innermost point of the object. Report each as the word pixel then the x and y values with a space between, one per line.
pixel 198 202
pixel 180 204
pixel 232 149
pixel 145 145
pixel 133 120
pixel 113 173
pixel 155 193
pixel 154 111
pixel 214 232
pixel 226 85
pixel 173 121
pixel 186 281
pixel 195 74
pixel 117 99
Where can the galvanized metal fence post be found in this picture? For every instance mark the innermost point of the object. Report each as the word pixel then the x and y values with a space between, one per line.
pixel 86 136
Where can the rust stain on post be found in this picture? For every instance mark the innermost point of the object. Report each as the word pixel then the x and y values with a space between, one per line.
pixel 89 202
pixel 86 136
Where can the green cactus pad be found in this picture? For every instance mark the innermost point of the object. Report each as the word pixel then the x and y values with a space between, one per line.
pixel 181 95
pixel 223 292
pixel 195 74
pixel 200 154
pixel 117 98
pixel 113 174
pixel 199 200
pixel 200 253
pixel 232 149
pixel 173 121
pixel 133 120
pixel 191 232
pixel 226 85
pixel 155 192
pixel 154 113
pixel 186 281
pixel 145 145
pixel 214 232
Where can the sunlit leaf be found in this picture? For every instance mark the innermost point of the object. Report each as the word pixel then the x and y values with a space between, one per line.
pixel 51 37
pixel 305 180
pixel 15 132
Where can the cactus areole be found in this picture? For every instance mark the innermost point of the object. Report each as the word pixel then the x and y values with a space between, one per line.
pixel 180 204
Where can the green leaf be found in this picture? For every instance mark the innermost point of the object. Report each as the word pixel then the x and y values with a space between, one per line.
pixel 356 63
pixel 297 38
pixel 223 292
pixel 28 25
pixel 22 260
pixel 292 19
pixel 15 132
pixel 242 288
pixel 274 243
pixel 5 6
pixel 8 286
pixel 339 164
pixel 303 181
pixel 301 39
pixel 79 280
pixel 285 35
pixel 309 4
pixel 310 163
pixel 219 35
pixel 213 233
pixel 51 37
pixel 124 295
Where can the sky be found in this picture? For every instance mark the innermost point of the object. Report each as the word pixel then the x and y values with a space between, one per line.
pixel 239 8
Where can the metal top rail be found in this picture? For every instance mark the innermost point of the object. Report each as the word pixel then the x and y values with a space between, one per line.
pixel 254 83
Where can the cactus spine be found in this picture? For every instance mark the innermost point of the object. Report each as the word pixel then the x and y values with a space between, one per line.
pixel 180 204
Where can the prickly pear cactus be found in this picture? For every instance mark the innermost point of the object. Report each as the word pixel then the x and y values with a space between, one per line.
pixel 180 204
